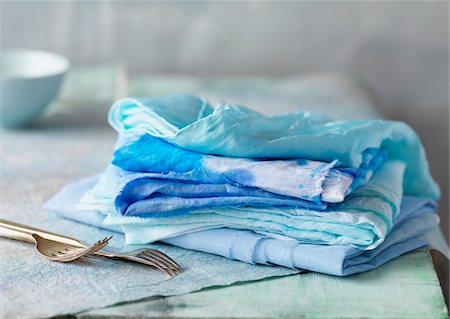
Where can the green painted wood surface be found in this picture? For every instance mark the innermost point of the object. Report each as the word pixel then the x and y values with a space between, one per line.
pixel 404 288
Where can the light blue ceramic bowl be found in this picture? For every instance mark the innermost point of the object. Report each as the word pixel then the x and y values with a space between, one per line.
pixel 29 81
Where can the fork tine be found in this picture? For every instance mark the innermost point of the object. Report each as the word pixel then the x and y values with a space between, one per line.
pixel 159 259
pixel 100 244
pixel 150 257
pixel 83 252
pixel 165 257
pixel 156 263
pixel 105 240
pixel 159 256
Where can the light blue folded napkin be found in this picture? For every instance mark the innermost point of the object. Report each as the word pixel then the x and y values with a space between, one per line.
pixel 416 217
pixel 232 130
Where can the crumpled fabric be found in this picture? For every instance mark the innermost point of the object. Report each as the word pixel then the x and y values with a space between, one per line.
pixel 236 131
pixel 417 218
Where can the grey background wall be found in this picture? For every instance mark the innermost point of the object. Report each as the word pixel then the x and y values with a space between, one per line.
pixel 398 50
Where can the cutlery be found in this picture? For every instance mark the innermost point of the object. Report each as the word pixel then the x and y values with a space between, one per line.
pixel 51 249
pixel 149 257
pixel 63 252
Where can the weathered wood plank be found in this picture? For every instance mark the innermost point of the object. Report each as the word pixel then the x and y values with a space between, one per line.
pixel 404 288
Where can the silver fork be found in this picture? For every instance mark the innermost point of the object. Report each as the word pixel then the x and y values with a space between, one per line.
pixel 53 250
pixel 149 257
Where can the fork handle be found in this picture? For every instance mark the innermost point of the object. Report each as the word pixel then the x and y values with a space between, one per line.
pixel 16 234
pixel 9 229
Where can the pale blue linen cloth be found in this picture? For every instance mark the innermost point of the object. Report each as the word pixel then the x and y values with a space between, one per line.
pixel 417 216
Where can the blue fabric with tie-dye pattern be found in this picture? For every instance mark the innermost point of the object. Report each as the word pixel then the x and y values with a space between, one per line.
pixel 185 179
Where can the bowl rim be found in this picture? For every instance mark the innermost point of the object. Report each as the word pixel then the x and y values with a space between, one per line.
pixel 65 64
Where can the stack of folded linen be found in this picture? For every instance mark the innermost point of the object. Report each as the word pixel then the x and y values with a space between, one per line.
pixel 296 190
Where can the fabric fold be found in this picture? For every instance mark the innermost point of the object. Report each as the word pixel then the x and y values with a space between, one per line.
pixel 363 220
pixel 314 181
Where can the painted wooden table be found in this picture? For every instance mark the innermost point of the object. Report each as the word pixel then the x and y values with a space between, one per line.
pixel 404 288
